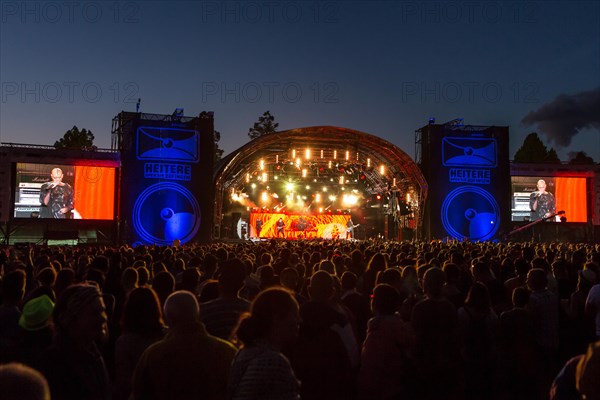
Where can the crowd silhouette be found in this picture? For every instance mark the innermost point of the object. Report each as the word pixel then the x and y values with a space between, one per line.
pixel 310 319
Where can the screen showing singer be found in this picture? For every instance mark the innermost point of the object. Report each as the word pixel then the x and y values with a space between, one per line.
pixel 541 202
pixel 56 197
pixel 61 191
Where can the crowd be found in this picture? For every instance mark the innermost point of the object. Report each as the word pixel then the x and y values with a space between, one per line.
pixel 306 319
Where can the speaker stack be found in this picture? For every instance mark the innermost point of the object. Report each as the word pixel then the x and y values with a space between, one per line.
pixel 468 173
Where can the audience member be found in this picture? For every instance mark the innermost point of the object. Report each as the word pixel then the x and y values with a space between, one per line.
pixel 260 371
pixel 188 363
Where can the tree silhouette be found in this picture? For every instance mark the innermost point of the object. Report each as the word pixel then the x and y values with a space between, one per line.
pixel 218 151
pixel 264 126
pixel 581 158
pixel 76 139
pixel 534 151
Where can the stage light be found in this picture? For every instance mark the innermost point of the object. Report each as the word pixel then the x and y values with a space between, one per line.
pixel 264 197
pixel 394 182
pixel 261 164
pixel 276 158
pixel 341 180
pixel 276 177
pixel 349 200
pixel 334 155
pixel 289 186
pixel 293 153
pixel 320 209
pixel 324 188
pixel 321 153
pixel 347 155
pixel 304 172
pixel 247 178
pixel 318 197
pixel 329 165
pixel 368 163
pixel 307 154
pixel 265 177
pixel 298 162
pixel 332 197
pixel 307 187
pixel 254 186
pixel 378 197
pixel 382 169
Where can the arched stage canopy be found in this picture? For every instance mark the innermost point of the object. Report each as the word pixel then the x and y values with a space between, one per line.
pixel 319 155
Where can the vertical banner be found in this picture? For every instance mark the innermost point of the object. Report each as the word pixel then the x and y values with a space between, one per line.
pixel 468 173
pixel 166 182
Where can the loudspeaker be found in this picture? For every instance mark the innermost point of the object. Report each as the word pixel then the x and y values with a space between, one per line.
pixel 167 192
pixel 468 174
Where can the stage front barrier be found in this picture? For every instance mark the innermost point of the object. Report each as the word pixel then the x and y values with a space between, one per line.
pixel 299 226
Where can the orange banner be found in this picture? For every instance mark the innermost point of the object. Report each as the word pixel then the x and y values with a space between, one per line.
pixel 94 192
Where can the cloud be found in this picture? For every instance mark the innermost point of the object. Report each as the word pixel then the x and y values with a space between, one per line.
pixel 563 118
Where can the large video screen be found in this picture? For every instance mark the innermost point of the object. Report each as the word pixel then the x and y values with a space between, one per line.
pixel 64 191
pixel 569 194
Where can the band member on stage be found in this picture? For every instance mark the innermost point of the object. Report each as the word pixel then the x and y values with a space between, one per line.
pixel 258 226
pixel 350 229
pixel 56 197
pixel 280 225
pixel 541 203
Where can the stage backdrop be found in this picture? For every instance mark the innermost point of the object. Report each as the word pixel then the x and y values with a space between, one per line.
pixel 166 178
pixel 468 174
pixel 297 226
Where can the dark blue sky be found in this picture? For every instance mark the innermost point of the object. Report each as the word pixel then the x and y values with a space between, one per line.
pixel 380 67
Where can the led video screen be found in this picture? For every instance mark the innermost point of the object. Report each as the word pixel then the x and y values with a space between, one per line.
pixel 569 194
pixel 64 192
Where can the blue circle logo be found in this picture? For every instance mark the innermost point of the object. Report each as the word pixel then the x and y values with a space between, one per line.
pixel 164 212
pixel 470 212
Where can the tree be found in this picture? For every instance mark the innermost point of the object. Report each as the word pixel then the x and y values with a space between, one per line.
pixel 534 151
pixel 218 151
pixel 264 126
pixel 76 139
pixel 581 158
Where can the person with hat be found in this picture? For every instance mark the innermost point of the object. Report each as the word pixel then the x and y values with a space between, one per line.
pixel 36 330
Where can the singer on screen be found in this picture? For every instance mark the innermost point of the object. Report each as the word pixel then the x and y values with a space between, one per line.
pixel 541 203
pixel 56 197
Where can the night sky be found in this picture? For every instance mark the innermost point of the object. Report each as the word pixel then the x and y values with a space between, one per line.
pixel 383 67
